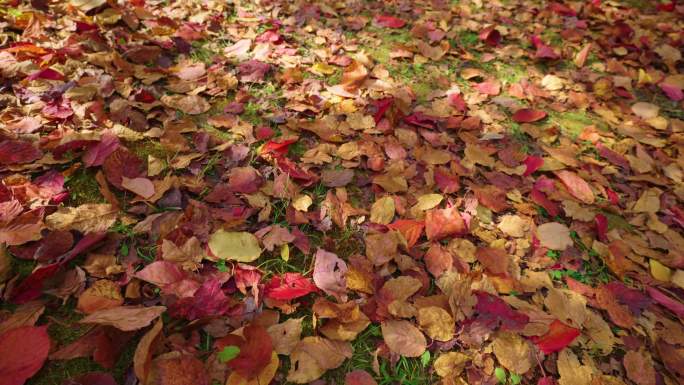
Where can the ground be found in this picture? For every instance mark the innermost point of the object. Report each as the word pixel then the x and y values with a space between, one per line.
pixel 494 161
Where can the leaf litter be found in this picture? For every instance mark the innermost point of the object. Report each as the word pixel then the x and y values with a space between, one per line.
pixel 359 193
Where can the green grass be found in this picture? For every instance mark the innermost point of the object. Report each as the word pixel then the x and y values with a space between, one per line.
pixel 83 187
pixel 143 148
pixel 573 122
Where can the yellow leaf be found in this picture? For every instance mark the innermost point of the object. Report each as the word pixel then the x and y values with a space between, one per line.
pixel 285 252
pixel 660 271
pixel 450 364
pixel 322 69
pixel 436 322
pixel 302 202
pixel 382 210
pixel 236 246
pixel 428 201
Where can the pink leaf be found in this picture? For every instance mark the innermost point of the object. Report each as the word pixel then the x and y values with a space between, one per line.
pixel 673 305
pixel 330 274
pixel 577 186
pixel 490 87
pixel 22 353
pixel 140 186
pixel 671 91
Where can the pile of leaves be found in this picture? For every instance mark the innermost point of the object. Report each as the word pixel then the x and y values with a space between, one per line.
pixel 455 192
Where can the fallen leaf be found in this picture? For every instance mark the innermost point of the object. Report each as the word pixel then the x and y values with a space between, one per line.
pixel 329 274
pixel 359 377
pixel 557 338
pixel 403 338
pixel 513 352
pixel 639 368
pixel 577 186
pixel 436 322
pixel 34 344
pixel 313 356
pixel 554 235
pixel 86 218
pixel 236 246
pixel 126 318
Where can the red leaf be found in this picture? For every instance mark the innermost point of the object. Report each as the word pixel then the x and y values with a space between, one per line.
pixel 289 286
pixel 532 164
pixel 255 352
pixel 562 9
pixel 122 163
pixel 528 115
pixel 441 223
pixel 96 155
pixel 47 73
pixel 493 311
pixel 208 301
pixel 446 182
pixel 22 353
pixel 388 21
pixel 253 71
pixel 276 148
pixel 491 36
pixel 601 227
pixel 18 151
pixel 58 108
pixel 495 261
pixel 409 228
pixel 557 338
pixel 244 180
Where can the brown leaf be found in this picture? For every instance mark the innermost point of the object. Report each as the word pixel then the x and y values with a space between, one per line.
pixel 313 356
pixel 86 218
pixel 126 318
pixel 513 352
pixel 403 338
pixel 103 294
pixel 554 235
pixel 639 367
pixel 436 322
pixel 142 359
pixel 353 76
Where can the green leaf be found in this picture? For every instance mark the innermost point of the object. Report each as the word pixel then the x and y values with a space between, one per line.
pixel 221 266
pixel 515 378
pixel 228 353
pixel 500 374
pixel 425 358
